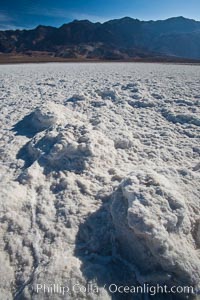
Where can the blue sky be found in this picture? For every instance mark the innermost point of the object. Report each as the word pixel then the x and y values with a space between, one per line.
pixel 30 13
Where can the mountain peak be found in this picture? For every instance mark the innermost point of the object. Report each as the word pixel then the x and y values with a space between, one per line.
pixel 181 18
pixel 81 21
pixel 123 20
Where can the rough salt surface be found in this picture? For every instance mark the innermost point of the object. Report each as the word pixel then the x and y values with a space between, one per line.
pixel 99 177
pixel 152 217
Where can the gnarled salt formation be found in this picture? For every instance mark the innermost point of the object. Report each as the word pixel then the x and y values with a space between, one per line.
pixel 44 117
pixel 67 147
pixel 155 228
pixel 180 116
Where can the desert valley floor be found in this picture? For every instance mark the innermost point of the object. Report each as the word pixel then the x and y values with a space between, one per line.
pixel 100 178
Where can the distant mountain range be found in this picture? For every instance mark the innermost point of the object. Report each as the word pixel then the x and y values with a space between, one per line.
pixel 118 39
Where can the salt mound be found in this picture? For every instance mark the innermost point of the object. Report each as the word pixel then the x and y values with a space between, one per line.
pixel 108 94
pixel 182 116
pixel 154 230
pixel 40 119
pixel 44 117
pixel 76 98
pixel 70 147
pixel 48 115
pixel 142 103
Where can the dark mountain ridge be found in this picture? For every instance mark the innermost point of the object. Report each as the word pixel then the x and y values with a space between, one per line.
pixel 115 39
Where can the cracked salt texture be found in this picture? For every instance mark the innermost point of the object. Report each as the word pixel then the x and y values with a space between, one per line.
pixel 99 177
